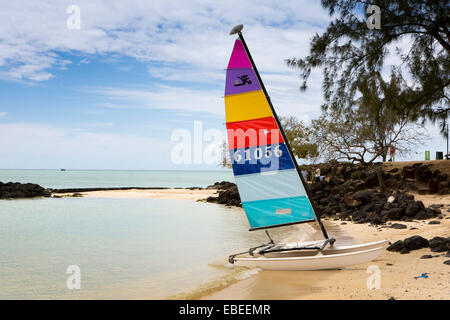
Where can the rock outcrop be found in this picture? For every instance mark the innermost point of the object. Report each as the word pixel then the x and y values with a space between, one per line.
pixel 340 199
pixel 365 193
pixel 345 201
pixel 411 243
pixel 14 190
pixel 436 244
pixel 227 194
pixel 440 244
pixel 419 177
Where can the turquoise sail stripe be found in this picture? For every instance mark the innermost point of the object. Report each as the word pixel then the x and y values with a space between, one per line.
pixel 270 212
pixel 270 185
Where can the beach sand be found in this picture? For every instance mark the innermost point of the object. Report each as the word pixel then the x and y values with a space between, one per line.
pixel 182 194
pixel 397 270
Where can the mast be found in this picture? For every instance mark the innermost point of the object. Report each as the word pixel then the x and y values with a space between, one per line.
pixel 237 29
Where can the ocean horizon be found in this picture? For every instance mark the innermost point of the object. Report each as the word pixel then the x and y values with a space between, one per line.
pixel 110 178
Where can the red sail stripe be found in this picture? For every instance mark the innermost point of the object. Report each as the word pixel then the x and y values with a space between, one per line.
pixel 253 133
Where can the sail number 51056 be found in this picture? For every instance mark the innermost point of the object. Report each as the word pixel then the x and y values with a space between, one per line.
pixel 257 153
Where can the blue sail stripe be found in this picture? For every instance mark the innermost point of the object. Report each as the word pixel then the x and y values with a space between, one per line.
pixel 256 159
pixel 270 185
pixel 270 212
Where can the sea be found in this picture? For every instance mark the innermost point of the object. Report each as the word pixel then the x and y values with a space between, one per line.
pixel 59 179
pixel 103 248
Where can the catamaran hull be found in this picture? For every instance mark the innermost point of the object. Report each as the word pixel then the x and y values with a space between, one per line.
pixel 319 261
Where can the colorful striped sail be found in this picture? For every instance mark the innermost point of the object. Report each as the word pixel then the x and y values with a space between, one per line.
pixel 270 188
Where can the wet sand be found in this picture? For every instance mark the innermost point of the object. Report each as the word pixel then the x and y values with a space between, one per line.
pixel 397 270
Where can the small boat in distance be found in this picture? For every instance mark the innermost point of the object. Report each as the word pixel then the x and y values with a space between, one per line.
pixel 62 169
pixel 270 184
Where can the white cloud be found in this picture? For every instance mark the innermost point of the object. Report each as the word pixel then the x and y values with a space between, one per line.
pixel 282 87
pixel 190 33
pixel 3 113
pixel 182 41
pixel 84 61
pixel 56 147
pixel 163 97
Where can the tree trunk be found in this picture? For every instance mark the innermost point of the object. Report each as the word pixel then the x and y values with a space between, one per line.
pixel 381 180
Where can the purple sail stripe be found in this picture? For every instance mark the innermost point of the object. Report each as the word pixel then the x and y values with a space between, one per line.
pixel 239 57
pixel 241 81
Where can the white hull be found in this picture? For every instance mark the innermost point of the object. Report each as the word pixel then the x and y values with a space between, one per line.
pixel 331 258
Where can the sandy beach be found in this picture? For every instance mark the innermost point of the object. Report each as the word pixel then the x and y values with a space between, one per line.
pixel 397 270
pixel 182 194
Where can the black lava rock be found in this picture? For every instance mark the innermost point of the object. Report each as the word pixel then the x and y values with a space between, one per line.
pixel 14 190
pixel 398 226
pixel 411 243
pixel 440 244
pixel 228 194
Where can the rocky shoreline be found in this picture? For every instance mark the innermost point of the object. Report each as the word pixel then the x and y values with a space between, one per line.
pixel 418 177
pixel 359 193
pixel 15 190
pixel 364 193
pixel 337 201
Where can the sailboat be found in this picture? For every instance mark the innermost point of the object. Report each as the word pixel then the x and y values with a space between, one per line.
pixel 270 184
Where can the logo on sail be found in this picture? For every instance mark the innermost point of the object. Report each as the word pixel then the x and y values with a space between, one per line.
pixel 244 80
pixel 283 211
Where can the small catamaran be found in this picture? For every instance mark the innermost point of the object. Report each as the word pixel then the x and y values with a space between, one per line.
pixel 271 186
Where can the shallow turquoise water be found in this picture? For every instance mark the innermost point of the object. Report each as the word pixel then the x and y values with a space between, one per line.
pixel 125 248
pixel 115 178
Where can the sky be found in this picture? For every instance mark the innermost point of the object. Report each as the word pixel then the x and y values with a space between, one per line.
pixel 110 84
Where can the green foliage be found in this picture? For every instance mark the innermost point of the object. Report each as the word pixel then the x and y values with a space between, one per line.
pixel 366 133
pixel 343 137
pixel 299 137
pixel 349 52
pixel 355 175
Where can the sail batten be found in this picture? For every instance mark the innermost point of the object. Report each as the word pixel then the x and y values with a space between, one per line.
pixel 271 190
